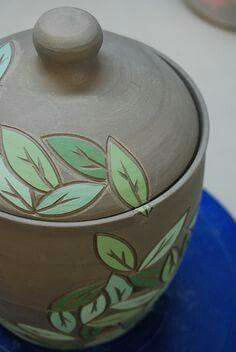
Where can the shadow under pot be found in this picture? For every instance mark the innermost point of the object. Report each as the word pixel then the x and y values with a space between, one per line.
pixel 103 143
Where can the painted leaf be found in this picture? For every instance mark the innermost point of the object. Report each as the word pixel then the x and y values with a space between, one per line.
pixel 77 298
pixel 148 278
pixel 93 309
pixel 126 175
pixel 115 252
pixel 10 326
pixel 89 334
pixel 193 222
pixel 6 53
pixel 42 333
pixel 80 153
pixel 118 288
pixel 137 301
pixel 13 191
pixel 29 160
pixel 164 245
pixel 170 266
pixel 117 318
pixel 146 209
pixel 185 243
pixel 69 198
pixel 63 321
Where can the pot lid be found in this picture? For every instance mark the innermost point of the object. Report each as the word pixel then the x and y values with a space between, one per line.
pixel 93 124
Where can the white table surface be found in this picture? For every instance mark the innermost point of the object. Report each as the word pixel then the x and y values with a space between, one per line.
pixel 207 53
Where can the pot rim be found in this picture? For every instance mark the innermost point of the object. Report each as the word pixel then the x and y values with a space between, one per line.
pixel 187 174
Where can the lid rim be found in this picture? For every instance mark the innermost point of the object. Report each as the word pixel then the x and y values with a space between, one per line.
pixel 197 158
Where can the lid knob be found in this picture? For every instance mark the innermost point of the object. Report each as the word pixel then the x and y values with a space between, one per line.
pixel 66 35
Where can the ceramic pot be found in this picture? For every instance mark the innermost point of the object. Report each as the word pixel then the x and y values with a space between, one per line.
pixel 103 144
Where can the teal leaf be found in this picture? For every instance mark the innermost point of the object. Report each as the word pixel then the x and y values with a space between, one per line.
pixel 93 309
pixel 74 300
pixel 164 245
pixel 148 278
pixel 170 265
pixel 29 160
pixel 69 198
pixel 6 52
pixel 13 191
pixel 137 301
pixel 118 289
pixel 117 318
pixel 116 253
pixel 127 176
pixel 45 334
pixel 80 153
pixel 64 321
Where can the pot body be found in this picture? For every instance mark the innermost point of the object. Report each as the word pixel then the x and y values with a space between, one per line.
pixel 68 287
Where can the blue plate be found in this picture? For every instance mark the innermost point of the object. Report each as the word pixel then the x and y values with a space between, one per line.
pixel 198 312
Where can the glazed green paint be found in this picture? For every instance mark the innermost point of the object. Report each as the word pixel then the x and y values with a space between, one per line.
pixel 28 160
pixel 64 321
pixel 42 333
pixel 117 254
pixel 10 326
pixel 93 309
pixel 137 301
pixel 164 245
pixel 14 191
pixel 89 334
pixel 77 298
pixel 80 153
pixel 193 222
pixel 117 318
pixel 148 278
pixel 126 175
pixel 118 289
pixel 170 266
pixel 6 53
pixel 69 198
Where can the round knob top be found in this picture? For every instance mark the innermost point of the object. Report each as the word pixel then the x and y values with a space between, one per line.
pixel 67 34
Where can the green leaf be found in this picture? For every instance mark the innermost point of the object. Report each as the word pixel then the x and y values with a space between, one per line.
pixel 89 334
pixel 6 52
pixel 29 160
pixel 126 175
pixel 118 288
pixel 117 318
pixel 116 253
pixel 193 222
pixel 146 278
pixel 77 298
pixel 170 266
pixel 164 245
pixel 63 321
pixel 93 309
pixel 69 198
pixel 13 191
pixel 137 301
pixel 42 333
pixel 185 243
pixel 146 209
pixel 80 153
pixel 10 326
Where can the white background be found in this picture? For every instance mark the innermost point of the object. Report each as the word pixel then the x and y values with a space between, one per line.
pixel 207 53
